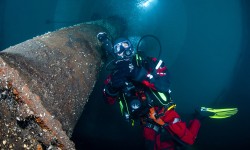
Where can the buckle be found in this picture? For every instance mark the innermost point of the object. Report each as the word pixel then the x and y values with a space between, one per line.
pixel 152 126
pixel 149 125
pixel 156 128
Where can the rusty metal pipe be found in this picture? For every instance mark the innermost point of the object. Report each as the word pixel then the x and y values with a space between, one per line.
pixel 45 83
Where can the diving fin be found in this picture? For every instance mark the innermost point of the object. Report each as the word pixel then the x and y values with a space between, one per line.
pixel 219 113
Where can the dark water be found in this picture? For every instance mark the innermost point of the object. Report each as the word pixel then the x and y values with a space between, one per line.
pixel 205 44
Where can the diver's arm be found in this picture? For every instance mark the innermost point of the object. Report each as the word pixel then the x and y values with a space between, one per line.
pixel 106 43
pixel 140 74
pixel 153 74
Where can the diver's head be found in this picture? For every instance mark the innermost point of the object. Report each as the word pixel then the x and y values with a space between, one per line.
pixel 123 48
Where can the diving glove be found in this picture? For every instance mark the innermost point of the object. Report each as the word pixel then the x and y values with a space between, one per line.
pixel 102 36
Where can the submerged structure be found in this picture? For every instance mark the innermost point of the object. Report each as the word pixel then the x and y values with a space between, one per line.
pixel 45 83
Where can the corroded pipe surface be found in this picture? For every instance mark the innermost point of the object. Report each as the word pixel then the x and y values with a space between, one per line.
pixel 45 83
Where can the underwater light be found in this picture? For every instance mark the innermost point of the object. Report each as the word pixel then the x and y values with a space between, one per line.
pixel 145 3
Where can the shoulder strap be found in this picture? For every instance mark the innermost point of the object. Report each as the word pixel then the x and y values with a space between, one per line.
pixel 138 60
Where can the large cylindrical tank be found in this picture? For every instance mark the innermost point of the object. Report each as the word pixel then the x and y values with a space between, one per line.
pixel 45 83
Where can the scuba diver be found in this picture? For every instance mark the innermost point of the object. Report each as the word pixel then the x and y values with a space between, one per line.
pixel 142 88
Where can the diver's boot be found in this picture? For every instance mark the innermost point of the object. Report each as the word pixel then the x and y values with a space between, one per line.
pixel 201 115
